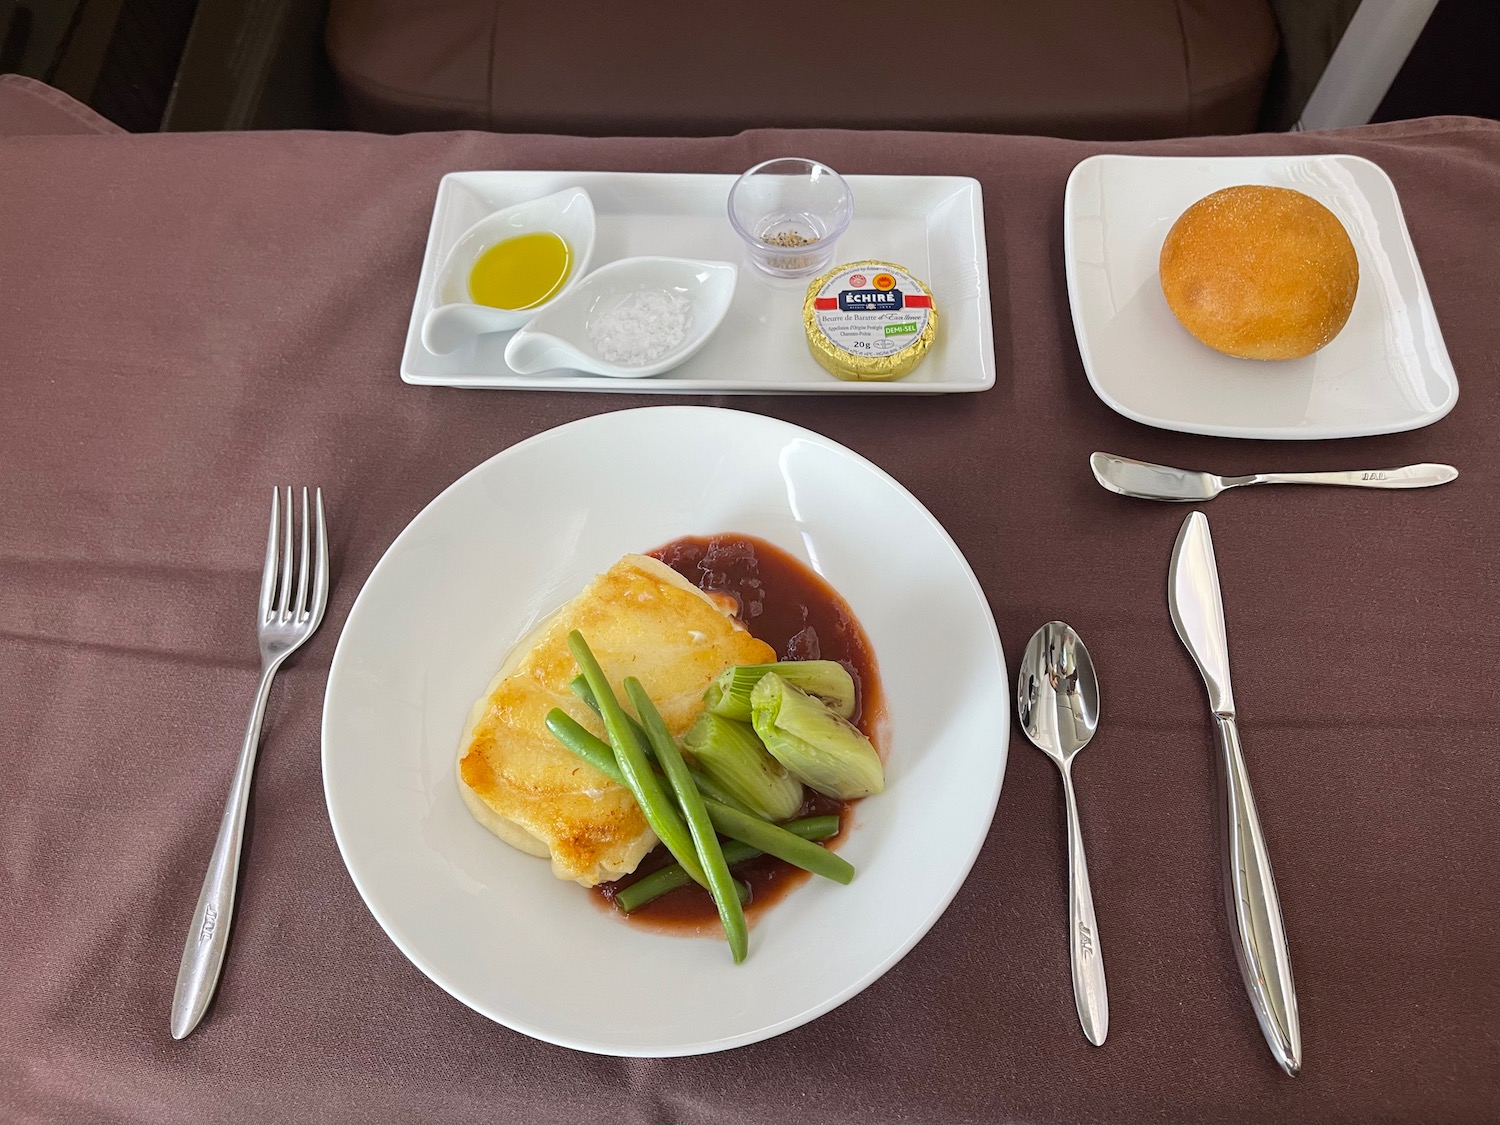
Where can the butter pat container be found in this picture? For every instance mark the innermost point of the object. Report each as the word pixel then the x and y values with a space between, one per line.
pixel 869 320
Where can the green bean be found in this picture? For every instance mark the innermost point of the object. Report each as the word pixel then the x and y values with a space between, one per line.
pixel 635 768
pixel 582 742
pixel 580 686
pixel 745 827
pixel 778 842
pixel 669 878
pixel 706 785
pixel 710 854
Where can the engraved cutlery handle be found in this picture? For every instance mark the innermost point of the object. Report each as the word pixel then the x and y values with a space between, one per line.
pixel 1089 991
pixel 1408 476
pixel 1260 939
pixel 208 935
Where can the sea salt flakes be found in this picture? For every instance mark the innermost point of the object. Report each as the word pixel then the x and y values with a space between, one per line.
pixel 641 328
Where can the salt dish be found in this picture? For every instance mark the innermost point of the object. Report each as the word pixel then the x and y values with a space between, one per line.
pixel 629 319
pixel 455 319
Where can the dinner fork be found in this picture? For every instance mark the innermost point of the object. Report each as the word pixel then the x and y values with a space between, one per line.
pixel 289 613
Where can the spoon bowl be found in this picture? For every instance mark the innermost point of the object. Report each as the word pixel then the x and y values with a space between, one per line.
pixel 1057 692
pixel 1057 701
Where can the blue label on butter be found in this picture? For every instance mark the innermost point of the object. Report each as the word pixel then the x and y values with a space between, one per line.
pixel 870 300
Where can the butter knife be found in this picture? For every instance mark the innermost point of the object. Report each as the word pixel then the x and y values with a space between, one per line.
pixel 1145 481
pixel 1249 887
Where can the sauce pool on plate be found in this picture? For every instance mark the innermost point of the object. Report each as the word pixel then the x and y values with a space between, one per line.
pixel 786 604
pixel 521 272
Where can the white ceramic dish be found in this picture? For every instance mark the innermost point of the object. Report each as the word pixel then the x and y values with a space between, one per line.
pixel 1388 370
pixel 560 337
pixel 451 319
pixel 934 225
pixel 520 535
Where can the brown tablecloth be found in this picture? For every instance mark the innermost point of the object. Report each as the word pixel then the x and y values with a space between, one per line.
pixel 186 320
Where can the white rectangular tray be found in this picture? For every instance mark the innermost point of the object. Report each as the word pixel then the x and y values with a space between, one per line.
pixel 932 225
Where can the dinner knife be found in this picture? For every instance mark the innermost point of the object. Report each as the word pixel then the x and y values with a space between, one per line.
pixel 1249 887
pixel 1145 481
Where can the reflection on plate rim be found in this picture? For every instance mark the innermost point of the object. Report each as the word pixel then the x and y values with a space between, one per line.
pixel 915 932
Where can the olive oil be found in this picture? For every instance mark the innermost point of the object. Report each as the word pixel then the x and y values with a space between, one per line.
pixel 521 272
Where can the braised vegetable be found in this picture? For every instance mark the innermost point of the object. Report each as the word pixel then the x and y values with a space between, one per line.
pixel 823 750
pixel 828 680
pixel 732 755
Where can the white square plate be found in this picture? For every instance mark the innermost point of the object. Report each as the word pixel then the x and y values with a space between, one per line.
pixel 933 225
pixel 1387 371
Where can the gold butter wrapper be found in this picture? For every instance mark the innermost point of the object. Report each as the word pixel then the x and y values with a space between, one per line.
pixel 869 321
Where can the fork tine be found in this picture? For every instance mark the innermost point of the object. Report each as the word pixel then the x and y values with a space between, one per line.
pixel 320 568
pixel 268 569
pixel 286 559
pixel 299 603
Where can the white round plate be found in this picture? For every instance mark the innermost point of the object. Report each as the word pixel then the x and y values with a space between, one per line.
pixel 1386 371
pixel 522 534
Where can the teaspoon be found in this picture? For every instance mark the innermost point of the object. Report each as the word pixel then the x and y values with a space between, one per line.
pixel 1057 701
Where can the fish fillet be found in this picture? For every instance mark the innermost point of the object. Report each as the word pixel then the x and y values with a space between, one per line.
pixel 641 619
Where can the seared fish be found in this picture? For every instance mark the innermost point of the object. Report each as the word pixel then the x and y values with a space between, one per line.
pixel 642 619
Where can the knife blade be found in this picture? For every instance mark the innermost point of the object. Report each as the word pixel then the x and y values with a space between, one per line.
pixel 1145 481
pixel 1249 887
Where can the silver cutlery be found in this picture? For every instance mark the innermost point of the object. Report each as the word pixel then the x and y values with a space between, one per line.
pixel 1057 701
pixel 291 607
pixel 1146 481
pixel 1250 889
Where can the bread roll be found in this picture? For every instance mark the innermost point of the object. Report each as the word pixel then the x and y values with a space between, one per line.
pixel 1260 272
